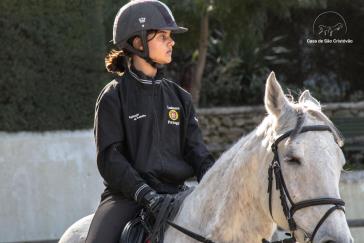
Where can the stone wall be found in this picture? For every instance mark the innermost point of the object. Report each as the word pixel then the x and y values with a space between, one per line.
pixel 222 127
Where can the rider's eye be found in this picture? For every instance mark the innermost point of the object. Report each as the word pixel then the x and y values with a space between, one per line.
pixel 293 160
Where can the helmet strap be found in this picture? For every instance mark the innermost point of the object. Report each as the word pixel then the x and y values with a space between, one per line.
pixel 145 53
pixel 144 36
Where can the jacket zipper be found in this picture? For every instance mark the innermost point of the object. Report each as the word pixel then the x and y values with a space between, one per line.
pixel 156 125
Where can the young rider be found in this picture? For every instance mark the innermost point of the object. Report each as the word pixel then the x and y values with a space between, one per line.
pixel 147 135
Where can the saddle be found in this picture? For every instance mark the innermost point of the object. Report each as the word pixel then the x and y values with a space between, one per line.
pixel 146 228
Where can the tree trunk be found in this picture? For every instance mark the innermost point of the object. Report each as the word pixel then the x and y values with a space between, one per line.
pixel 202 53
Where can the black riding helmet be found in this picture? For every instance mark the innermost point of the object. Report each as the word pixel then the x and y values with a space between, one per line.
pixel 138 17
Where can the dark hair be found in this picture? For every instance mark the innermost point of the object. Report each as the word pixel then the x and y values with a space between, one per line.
pixel 115 61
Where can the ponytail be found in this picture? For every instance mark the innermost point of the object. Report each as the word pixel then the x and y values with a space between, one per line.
pixel 115 61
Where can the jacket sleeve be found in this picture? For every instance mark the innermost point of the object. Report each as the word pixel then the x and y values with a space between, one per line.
pixel 195 151
pixel 112 163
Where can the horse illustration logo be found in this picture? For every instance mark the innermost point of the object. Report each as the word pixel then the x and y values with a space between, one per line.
pixel 328 30
pixel 329 24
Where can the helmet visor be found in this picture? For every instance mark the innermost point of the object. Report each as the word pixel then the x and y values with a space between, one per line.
pixel 177 30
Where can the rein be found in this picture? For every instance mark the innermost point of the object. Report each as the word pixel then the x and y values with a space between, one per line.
pixel 275 169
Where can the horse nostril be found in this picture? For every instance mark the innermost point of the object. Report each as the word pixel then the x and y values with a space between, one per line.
pixel 330 241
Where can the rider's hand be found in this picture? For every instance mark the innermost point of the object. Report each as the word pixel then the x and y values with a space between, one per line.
pixel 150 199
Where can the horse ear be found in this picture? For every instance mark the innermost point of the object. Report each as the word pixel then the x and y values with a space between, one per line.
pixel 275 101
pixel 307 99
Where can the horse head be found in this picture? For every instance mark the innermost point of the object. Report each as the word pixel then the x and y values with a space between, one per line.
pixel 337 26
pixel 310 164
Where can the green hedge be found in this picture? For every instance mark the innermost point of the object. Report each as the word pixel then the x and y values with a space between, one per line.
pixel 51 63
pixel 52 52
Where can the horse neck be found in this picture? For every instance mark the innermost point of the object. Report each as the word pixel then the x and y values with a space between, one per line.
pixel 230 204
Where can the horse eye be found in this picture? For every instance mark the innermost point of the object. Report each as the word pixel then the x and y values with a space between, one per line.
pixel 293 160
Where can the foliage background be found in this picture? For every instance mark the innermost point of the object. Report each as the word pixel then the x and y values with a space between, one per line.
pixel 52 55
pixel 51 64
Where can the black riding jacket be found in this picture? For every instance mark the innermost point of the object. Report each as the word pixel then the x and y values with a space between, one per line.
pixel 146 132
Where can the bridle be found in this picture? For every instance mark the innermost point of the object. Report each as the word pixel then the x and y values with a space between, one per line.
pixel 275 169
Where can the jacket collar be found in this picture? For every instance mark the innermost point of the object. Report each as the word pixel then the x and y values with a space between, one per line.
pixel 142 78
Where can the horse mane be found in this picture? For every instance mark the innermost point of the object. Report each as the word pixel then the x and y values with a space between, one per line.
pixel 239 152
pixel 313 107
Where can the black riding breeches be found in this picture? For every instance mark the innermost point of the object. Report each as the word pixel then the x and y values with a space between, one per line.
pixel 110 218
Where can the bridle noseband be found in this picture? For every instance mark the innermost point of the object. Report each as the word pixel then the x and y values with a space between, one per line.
pixel 275 168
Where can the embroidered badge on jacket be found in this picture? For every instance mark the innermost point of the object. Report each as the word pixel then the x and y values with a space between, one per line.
pixel 173 115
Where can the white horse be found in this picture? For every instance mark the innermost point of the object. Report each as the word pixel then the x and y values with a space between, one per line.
pixel 231 203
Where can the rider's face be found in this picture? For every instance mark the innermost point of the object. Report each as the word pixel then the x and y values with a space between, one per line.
pixel 160 47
